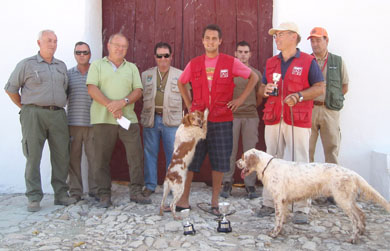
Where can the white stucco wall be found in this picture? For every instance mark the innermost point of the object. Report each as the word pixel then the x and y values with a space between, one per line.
pixel 358 31
pixel 21 20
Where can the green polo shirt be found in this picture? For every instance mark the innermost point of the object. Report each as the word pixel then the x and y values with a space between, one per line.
pixel 115 84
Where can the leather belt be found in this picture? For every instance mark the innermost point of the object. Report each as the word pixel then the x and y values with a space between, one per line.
pixel 50 107
pixel 319 103
pixel 159 113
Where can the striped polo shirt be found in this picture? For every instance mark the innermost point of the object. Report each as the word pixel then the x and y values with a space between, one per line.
pixel 79 101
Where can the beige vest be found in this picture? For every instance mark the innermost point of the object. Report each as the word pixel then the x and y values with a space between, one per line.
pixel 172 109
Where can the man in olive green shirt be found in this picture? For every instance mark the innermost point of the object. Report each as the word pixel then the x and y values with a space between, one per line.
pixel 245 122
pixel 115 85
pixel 38 86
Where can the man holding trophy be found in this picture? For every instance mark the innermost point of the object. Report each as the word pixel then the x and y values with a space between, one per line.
pixel 291 80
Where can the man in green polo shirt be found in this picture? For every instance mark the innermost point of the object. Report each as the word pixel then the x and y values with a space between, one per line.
pixel 115 85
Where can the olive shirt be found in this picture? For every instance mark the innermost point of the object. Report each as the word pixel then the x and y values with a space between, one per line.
pixel 248 109
pixel 115 84
pixel 41 83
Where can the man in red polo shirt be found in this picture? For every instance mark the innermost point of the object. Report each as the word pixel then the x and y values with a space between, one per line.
pixel 211 76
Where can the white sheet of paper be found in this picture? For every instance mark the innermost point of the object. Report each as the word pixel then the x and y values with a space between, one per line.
pixel 124 122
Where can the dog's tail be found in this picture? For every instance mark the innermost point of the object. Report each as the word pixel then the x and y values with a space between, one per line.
pixel 369 193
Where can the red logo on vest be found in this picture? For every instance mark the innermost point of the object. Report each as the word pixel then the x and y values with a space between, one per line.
pixel 224 73
pixel 297 71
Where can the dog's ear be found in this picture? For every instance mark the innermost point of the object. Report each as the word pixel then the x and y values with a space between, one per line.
pixel 253 160
pixel 186 120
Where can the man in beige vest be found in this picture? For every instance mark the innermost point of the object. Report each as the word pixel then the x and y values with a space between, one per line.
pixel 162 112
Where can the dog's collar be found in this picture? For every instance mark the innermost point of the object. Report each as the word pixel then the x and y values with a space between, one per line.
pixel 269 161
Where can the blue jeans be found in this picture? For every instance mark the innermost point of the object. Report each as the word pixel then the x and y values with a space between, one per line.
pixel 152 137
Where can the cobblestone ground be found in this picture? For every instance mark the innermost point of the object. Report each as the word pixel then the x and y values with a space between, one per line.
pixel 129 226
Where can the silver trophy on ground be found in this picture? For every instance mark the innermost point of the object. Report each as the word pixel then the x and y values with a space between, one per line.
pixel 275 78
pixel 187 225
pixel 224 224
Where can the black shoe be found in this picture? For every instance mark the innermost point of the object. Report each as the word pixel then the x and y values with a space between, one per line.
pixel 65 201
pixel 105 202
pixel 265 211
pixel 252 192
pixel 226 190
pixel 140 198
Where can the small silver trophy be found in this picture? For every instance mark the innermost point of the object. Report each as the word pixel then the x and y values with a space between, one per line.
pixel 187 225
pixel 275 78
pixel 224 224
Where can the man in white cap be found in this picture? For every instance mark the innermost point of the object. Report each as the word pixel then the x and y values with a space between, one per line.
pixel 326 115
pixel 300 82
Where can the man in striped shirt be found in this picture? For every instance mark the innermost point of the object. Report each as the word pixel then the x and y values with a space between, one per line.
pixel 80 129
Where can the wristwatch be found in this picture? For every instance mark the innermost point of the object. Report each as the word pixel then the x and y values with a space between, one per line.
pixel 127 100
pixel 300 97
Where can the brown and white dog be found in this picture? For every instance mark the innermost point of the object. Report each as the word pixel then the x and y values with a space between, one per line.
pixel 293 181
pixel 192 129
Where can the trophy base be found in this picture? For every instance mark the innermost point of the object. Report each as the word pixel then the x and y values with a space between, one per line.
pixel 189 229
pixel 224 227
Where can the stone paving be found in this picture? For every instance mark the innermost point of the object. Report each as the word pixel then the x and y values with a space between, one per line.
pixel 129 226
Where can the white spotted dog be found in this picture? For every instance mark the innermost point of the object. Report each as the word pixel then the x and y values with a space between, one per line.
pixel 293 181
pixel 192 129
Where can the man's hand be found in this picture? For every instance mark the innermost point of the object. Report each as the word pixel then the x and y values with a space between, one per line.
pixel 118 114
pixel 115 105
pixel 234 104
pixel 269 88
pixel 292 99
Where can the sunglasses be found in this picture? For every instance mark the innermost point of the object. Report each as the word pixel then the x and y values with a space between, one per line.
pixel 167 55
pixel 81 52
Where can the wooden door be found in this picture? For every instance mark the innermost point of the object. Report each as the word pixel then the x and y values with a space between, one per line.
pixel 180 23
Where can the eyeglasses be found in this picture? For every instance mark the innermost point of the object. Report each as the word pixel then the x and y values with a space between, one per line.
pixel 81 52
pixel 167 55
pixel 281 34
pixel 119 45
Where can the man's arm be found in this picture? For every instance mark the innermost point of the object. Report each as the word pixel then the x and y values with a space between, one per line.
pixel 345 88
pixel 259 95
pixel 235 103
pixel 185 94
pixel 15 97
pixel 310 93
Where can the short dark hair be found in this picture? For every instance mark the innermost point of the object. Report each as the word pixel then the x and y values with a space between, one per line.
pixel 162 45
pixel 243 43
pixel 213 27
pixel 81 43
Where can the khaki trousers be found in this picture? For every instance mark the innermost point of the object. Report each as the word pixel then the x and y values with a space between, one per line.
pixel 39 125
pixel 79 136
pixel 301 145
pixel 326 123
pixel 249 130
pixel 105 137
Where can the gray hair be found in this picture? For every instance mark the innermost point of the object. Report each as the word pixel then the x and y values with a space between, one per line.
pixel 40 34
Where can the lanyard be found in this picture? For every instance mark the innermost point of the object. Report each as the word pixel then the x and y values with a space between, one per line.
pixel 326 61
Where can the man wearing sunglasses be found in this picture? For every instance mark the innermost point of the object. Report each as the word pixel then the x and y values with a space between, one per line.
pixel 38 86
pixel 299 83
pixel 211 76
pixel 161 112
pixel 115 85
pixel 80 129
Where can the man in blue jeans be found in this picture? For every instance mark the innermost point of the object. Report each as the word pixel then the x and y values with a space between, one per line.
pixel 161 113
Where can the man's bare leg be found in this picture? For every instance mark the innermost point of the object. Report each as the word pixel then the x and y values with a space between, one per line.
pixel 217 181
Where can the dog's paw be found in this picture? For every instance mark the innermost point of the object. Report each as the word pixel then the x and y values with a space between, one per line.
pixel 206 113
pixel 273 234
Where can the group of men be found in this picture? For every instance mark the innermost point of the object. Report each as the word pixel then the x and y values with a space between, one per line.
pixel 100 93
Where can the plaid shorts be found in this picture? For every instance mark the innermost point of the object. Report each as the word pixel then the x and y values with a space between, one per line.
pixel 218 144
